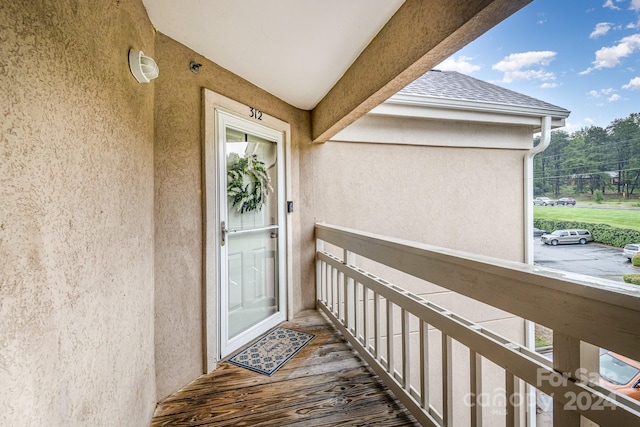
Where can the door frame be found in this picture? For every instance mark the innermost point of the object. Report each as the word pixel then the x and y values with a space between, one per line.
pixel 223 121
pixel 211 217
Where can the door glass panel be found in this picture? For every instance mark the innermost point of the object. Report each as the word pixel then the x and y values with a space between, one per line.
pixel 252 223
pixel 252 274
pixel 241 146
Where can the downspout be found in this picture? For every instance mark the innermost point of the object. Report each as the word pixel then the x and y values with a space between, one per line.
pixel 545 139
pixel 529 326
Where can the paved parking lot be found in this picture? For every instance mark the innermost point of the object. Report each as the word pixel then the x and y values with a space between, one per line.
pixel 592 259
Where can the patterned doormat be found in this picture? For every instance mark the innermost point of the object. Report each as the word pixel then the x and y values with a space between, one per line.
pixel 272 351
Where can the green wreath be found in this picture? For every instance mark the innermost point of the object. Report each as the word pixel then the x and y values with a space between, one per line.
pixel 248 183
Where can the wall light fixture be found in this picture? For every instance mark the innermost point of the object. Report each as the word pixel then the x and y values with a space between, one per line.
pixel 143 67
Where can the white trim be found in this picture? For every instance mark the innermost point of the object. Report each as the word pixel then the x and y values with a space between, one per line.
pixel 223 121
pixel 482 116
pixel 215 102
pixel 402 118
pixel 475 106
pixel 407 130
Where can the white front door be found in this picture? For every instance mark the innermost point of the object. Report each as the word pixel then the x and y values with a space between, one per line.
pixel 251 200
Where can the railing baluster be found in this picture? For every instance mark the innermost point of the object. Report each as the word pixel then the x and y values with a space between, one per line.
pixel 340 294
pixel 424 365
pixel 325 283
pixel 406 351
pixel 390 354
pixel 356 311
pixel 512 414
pixel 376 323
pixel 475 387
pixel 329 287
pixel 320 283
pixel 347 301
pixel 349 259
pixel 447 378
pixel 335 287
pixel 365 316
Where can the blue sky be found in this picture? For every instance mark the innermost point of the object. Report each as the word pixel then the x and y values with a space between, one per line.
pixel 582 55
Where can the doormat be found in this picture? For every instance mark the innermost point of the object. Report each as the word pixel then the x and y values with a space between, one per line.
pixel 272 351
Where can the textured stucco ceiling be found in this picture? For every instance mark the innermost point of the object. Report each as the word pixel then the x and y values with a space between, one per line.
pixel 294 49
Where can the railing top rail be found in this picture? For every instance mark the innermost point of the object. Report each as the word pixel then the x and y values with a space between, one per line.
pixel 602 312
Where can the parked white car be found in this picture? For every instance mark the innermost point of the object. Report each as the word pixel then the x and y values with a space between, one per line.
pixel 565 237
pixel 543 201
pixel 631 250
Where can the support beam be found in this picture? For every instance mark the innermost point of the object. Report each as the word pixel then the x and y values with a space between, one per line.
pixel 420 35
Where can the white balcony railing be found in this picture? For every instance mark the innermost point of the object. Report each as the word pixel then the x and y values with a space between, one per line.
pixel 367 310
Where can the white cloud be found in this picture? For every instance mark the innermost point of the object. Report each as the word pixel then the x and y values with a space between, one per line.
pixel 634 84
pixel 548 85
pixel 609 57
pixel 601 29
pixel 571 126
pixel 609 4
pixel 609 93
pixel 517 61
pixel 461 64
pixel 602 92
pixel 526 66
pixel 635 5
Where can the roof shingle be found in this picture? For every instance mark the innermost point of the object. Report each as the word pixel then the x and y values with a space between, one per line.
pixel 454 85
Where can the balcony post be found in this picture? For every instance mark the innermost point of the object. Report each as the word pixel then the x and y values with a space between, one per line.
pixel 566 360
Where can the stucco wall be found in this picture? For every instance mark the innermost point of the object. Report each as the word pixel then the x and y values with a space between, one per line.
pixel 179 202
pixel 469 199
pixel 76 215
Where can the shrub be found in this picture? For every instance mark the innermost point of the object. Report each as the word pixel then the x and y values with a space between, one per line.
pixel 603 233
pixel 635 260
pixel 597 196
pixel 541 342
pixel 634 279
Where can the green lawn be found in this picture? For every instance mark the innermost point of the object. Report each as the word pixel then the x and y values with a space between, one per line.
pixel 616 218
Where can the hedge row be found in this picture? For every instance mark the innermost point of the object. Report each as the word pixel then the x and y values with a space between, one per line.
pixel 634 279
pixel 602 233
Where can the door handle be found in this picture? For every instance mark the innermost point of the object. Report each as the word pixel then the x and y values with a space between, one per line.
pixel 223 233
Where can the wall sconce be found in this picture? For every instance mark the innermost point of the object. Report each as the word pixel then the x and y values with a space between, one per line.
pixel 143 67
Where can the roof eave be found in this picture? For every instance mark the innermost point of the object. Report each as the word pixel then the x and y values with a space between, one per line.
pixel 419 105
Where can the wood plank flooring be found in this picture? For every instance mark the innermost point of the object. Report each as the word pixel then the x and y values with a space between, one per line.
pixel 325 384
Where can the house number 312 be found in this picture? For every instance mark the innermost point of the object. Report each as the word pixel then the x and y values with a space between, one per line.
pixel 255 114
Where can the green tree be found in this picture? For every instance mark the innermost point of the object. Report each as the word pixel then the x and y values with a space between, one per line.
pixel 593 158
pixel 597 157
pixel 576 162
pixel 625 144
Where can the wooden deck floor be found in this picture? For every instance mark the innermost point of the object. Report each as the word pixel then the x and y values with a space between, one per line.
pixel 325 384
